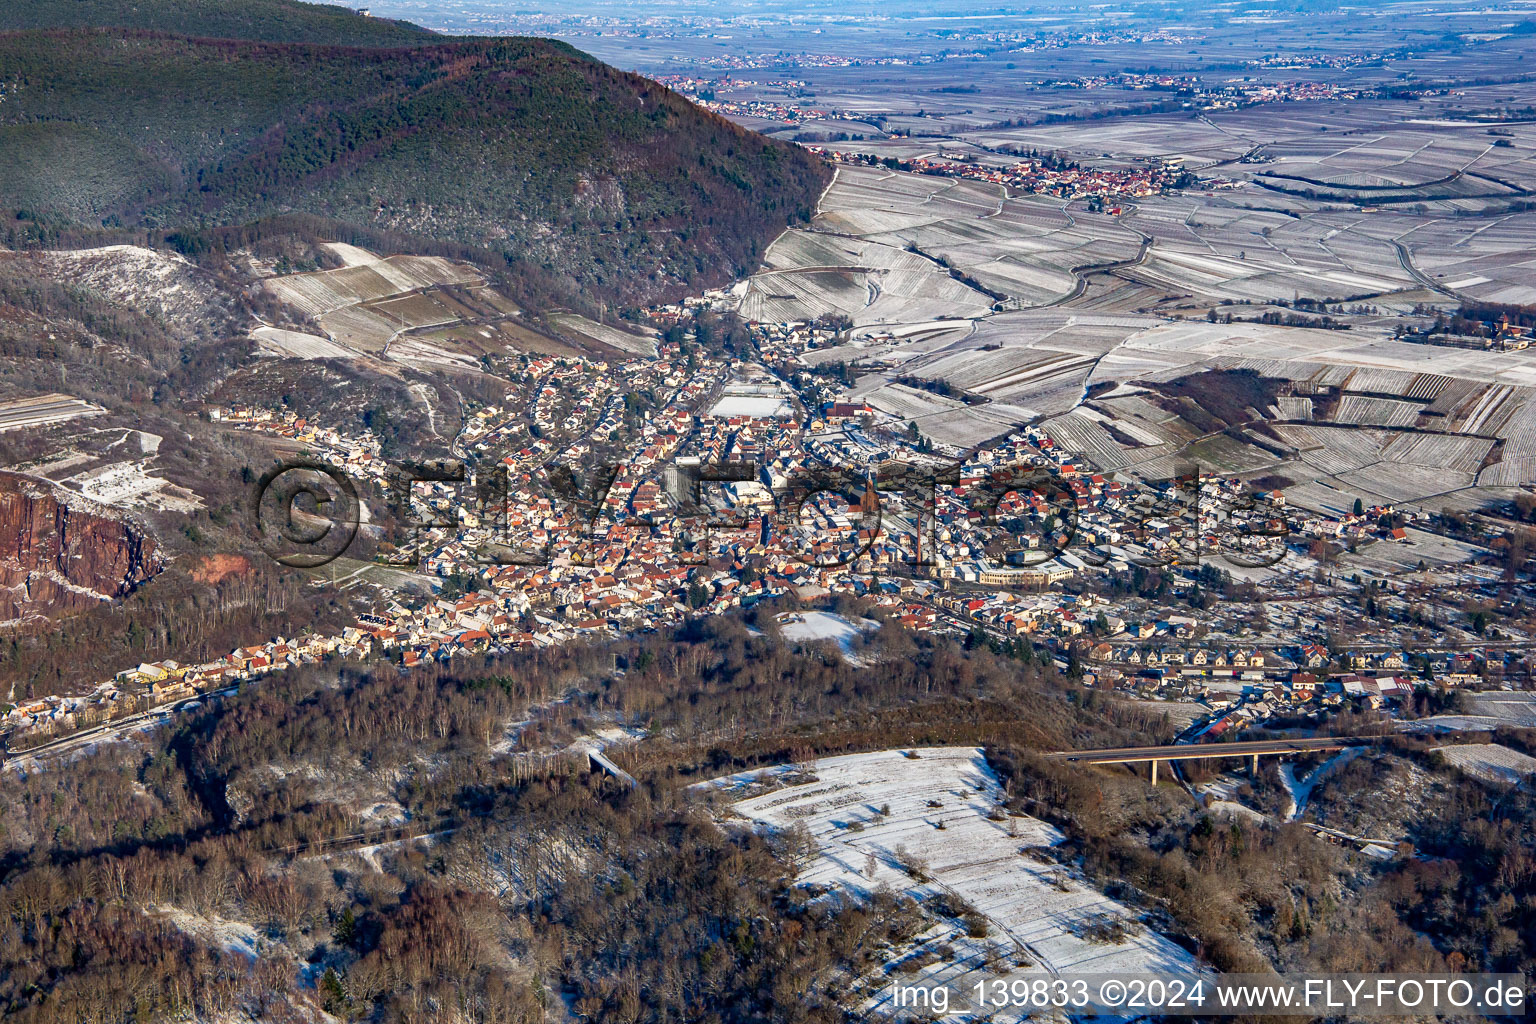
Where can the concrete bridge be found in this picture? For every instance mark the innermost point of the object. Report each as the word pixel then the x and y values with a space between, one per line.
pixel 600 762
pixel 1252 749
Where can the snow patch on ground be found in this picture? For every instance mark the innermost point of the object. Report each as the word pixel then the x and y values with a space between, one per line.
pixel 386 812
pixel 235 936
pixel 155 282
pixel 1301 789
pixel 1234 809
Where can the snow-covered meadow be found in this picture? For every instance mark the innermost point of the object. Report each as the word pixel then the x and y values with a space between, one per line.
pixel 808 627
pixel 1491 762
pixel 887 817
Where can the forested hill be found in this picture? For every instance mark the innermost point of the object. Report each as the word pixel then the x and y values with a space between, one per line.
pixel 526 152
pixel 274 21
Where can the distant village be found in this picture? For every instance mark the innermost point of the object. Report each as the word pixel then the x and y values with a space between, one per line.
pixel 1045 176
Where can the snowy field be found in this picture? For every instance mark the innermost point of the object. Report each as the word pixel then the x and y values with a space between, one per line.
pixel 420 350
pixel 578 328
pixel 807 627
pixel 935 808
pixel 1488 711
pixel 757 401
pixel 364 280
pixel 298 345
pixel 882 244
pixel 1039 362
pixel 1490 762
pixel 1181 713
pixel 355 304
pixel 44 410
pixel 751 406
pixel 1412 423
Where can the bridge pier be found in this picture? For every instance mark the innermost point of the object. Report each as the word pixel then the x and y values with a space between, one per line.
pixel 1253 767
pixel 1154 772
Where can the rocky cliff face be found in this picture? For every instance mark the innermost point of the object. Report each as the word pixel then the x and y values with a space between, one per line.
pixel 57 559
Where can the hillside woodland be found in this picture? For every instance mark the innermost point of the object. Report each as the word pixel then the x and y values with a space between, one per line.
pixel 197 870
pixel 573 181
pixel 273 21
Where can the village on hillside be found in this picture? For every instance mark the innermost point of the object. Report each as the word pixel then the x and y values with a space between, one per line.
pixel 1142 597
